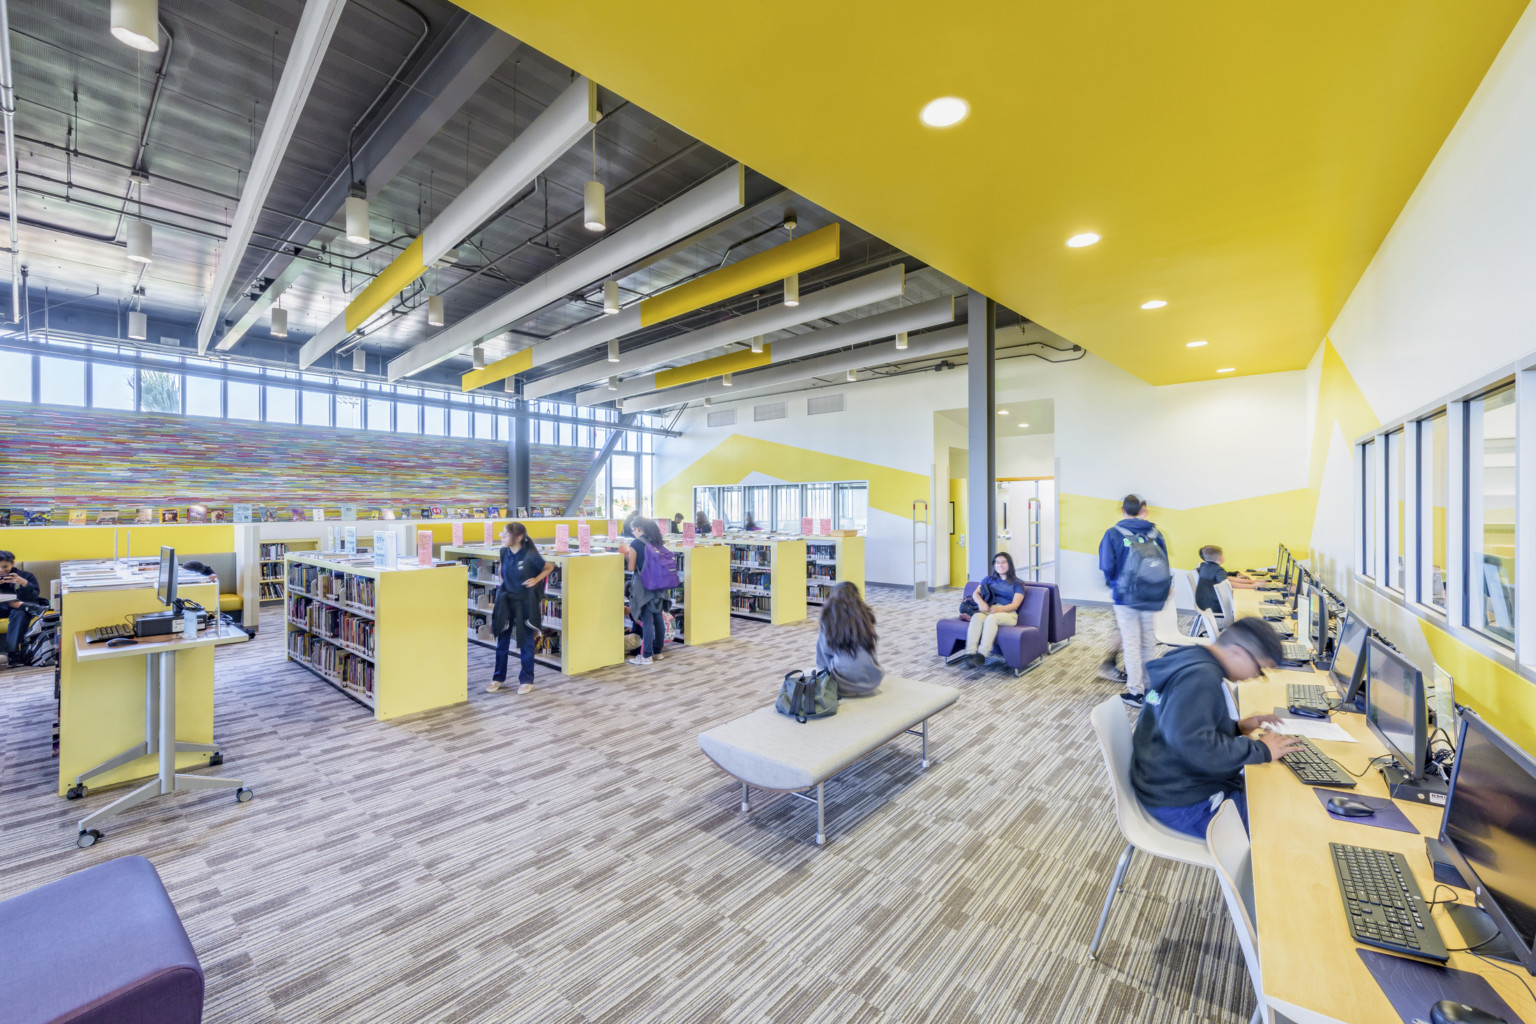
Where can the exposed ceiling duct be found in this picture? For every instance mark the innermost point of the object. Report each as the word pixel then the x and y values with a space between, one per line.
pixel 949 341
pixel 8 110
pixel 550 136
pixel 310 42
pixel 700 206
pixel 839 298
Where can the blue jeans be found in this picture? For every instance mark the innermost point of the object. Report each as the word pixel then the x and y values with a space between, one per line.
pixel 524 654
pixel 1192 819
pixel 653 627
pixel 17 621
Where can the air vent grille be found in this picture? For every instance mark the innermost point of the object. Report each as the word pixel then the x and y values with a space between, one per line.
pixel 819 404
pixel 771 411
pixel 722 418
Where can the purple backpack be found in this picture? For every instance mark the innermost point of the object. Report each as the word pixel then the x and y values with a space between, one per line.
pixel 660 570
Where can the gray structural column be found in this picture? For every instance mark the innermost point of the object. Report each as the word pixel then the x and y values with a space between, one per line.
pixel 981 421
pixel 517 459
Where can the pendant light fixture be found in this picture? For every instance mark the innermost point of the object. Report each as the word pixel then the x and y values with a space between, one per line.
pixel 613 383
pixel 279 322
pixel 792 290
pixel 757 344
pixel 610 297
pixel 138 325
pixel 725 379
pixel 510 385
pixel 136 23
pixel 613 350
pixel 853 376
pixel 357 214
pixel 141 241
pixel 435 311
pixel 359 361
pixel 595 214
pixel 478 355
pixel 901 341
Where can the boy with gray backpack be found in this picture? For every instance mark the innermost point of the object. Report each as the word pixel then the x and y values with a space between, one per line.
pixel 1134 559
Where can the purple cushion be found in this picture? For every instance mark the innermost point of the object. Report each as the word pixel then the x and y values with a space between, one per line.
pixel 100 946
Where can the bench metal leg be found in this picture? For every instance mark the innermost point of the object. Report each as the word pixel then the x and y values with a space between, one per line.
pixel 1114 887
pixel 745 807
pixel 821 814
pixel 924 734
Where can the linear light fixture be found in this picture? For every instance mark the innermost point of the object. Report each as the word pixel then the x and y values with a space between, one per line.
pixel 693 211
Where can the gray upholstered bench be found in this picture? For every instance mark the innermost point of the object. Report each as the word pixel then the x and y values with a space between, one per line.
pixel 771 751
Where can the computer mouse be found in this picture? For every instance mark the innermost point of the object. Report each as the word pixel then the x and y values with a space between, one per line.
pixel 1350 807
pixel 1449 1011
pixel 121 641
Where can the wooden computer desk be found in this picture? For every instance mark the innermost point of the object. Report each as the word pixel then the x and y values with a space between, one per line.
pixel 1311 973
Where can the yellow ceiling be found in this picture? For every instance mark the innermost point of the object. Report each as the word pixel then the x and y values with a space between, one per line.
pixel 1241 161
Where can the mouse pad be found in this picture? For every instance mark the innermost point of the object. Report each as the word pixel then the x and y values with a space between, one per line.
pixel 1413 987
pixel 1388 814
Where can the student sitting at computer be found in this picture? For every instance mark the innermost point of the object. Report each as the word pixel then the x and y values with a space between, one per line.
pixel 18 597
pixel 1211 573
pixel 1187 754
pixel 676 524
pixel 846 644
pixel 997 604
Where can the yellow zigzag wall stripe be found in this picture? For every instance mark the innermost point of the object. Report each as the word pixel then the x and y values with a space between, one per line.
pixel 1246 529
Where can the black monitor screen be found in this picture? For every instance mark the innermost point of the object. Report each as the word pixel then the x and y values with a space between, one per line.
pixel 165 585
pixel 1348 652
pixel 1319 620
pixel 1490 820
pixel 1395 708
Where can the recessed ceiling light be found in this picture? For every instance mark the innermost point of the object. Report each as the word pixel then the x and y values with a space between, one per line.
pixel 1002 412
pixel 1154 304
pixel 944 112
pixel 1226 369
pixel 1193 344
pixel 1023 425
pixel 1078 241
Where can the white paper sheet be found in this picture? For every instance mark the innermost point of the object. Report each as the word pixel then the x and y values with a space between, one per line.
pixel 1313 729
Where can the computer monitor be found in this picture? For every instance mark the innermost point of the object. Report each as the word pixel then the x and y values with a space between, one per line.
pixel 1348 666
pixel 1303 621
pixel 1395 707
pixel 1319 617
pixel 1488 833
pixel 165 585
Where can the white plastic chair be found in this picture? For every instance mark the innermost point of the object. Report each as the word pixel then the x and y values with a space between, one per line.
pixel 1232 855
pixel 1224 595
pixel 1140 830
pixel 1165 627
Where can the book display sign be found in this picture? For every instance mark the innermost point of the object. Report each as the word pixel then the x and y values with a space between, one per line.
pixel 688 538
pixel 423 547
pixel 584 538
pixel 562 538
pixel 717 527
pixel 490 534
pixel 613 530
pixel 458 533
pixel 823 527
pixel 386 549
pixel 806 526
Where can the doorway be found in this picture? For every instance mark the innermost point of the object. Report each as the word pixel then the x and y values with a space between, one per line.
pixel 1026 525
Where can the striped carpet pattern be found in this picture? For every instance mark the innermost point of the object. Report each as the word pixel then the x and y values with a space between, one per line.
pixel 571 855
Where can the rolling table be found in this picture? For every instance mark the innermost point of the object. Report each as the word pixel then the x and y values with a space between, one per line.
pixel 159 654
pixel 1310 970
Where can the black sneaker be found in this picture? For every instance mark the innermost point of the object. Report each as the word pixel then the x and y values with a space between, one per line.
pixel 978 660
pixel 1109 672
pixel 958 657
pixel 1132 700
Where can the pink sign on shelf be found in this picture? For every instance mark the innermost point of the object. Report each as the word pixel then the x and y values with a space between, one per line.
pixel 823 527
pixel 584 538
pixel 806 526
pixel 423 547
pixel 458 534
pixel 490 534
pixel 717 527
pixel 562 538
pixel 613 529
pixel 688 537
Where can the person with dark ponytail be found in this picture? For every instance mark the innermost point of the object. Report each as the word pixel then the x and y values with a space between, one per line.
pixel 646 606
pixel 997 598
pixel 846 645
pixel 519 604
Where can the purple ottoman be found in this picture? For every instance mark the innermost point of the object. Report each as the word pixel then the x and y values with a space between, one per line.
pixel 1061 623
pixel 101 946
pixel 1021 646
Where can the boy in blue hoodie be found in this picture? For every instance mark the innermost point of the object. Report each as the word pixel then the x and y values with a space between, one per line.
pixel 1137 640
pixel 1187 754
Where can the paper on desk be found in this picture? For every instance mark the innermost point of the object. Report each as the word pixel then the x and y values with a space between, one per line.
pixel 1312 729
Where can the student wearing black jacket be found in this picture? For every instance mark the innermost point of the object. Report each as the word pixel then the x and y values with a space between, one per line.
pixel 1187 754
pixel 18 608
pixel 519 605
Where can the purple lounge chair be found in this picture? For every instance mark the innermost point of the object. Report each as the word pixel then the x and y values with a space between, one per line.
pixel 1061 621
pixel 100 946
pixel 1022 646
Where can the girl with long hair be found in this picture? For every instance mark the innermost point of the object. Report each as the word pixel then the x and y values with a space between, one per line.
pixel 521 598
pixel 846 644
pixel 645 606
pixel 999 606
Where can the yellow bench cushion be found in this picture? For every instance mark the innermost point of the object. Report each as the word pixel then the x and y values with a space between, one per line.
pixel 231 603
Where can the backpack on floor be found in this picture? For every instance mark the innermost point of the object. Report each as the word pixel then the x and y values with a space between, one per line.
pixel 807 696
pixel 1145 577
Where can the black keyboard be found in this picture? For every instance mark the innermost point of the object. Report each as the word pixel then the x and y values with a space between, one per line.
pixel 1316 768
pixel 1270 586
pixel 102 634
pixel 1383 902
pixel 1294 651
pixel 1306 695
pixel 1274 613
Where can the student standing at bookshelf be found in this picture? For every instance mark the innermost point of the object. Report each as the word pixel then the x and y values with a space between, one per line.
pixel 646 606
pixel 519 605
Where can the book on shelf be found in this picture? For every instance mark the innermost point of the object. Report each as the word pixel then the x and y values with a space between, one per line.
pixel 242 513
pixel 77 517
pixel 144 515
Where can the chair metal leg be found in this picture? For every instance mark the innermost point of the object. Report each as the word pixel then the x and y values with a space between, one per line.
pixel 1114 887
pixel 745 806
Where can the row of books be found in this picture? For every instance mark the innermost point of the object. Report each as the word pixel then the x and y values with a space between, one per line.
pixel 746 603
pixel 751 554
pixel 343 668
pixel 272 590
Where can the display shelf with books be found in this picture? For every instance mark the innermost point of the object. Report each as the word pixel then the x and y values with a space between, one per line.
pixel 583 613
pixel 383 636
pixel 768 579
pixel 270 566
pixel 831 560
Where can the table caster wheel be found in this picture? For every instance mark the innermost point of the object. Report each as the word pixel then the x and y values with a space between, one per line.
pixel 243 794
pixel 75 792
pixel 216 760
pixel 87 838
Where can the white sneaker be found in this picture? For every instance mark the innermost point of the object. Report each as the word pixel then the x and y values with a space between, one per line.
pixel 524 688
pixel 639 659
pixel 494 686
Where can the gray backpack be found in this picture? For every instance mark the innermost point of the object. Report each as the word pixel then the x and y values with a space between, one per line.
pixel 1145 576
pixel 807 696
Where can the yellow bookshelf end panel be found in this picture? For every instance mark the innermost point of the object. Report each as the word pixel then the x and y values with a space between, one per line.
pixel 706 593
pixel 788 581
